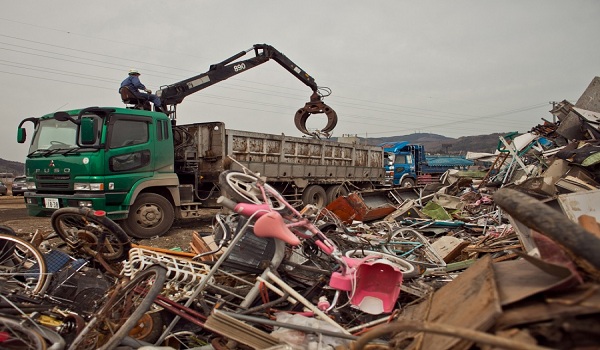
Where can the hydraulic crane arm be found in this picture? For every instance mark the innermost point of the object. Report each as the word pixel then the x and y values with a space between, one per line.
pixel 173 94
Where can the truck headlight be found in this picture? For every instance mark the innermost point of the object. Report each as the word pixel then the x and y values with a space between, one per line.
pixel 88 186
pixel 30 185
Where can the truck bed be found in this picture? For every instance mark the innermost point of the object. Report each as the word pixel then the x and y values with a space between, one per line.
pixel 278 157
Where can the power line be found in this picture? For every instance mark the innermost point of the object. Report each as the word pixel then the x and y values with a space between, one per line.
pixel 89 52
pixel 56 80
pixel 252 102
pixel 54 71
pixel 396 110
pixel 71 33
pixel 278 93
pixel 104 55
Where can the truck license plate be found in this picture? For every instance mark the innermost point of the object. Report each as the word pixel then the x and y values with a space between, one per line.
pixel 51 203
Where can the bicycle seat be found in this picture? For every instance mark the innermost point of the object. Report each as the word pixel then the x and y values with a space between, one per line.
pixel 271 225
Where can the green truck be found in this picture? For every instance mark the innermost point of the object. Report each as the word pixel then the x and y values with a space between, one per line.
pixel 144 171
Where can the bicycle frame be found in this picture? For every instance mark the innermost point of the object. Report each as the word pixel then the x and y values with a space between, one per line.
pixel 279 229
pixel 357 277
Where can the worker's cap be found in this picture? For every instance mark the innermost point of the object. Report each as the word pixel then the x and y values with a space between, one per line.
pixel 134 71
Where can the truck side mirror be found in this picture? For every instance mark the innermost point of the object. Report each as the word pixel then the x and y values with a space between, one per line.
pixel 21 132
pixel 88 131
pixel 21 135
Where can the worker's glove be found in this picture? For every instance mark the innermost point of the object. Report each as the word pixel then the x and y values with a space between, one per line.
pixel 149 91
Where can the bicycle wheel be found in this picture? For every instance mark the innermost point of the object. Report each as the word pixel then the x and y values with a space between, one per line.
pixel 7 230
pixel 412 246
pixel 14 335
pixel 243 188
pixel 90 232
pixel 22 266
pixel 408 269
pixel 123 310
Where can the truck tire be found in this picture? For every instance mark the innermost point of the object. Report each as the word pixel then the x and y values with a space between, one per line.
pixel 335 191
pixel 315 195
pixel 407 182
pixel 150 215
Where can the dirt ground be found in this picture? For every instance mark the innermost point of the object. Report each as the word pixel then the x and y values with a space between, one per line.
pixel 14 215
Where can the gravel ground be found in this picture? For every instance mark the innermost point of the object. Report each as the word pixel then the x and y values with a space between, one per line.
pixel 14 215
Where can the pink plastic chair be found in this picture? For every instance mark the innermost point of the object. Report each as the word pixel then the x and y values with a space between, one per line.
pixel 377 287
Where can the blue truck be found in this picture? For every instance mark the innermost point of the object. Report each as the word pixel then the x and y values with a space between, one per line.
pixel 409 166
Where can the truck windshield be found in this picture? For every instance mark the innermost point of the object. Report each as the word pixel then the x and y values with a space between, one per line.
pixel 403 159
pixel 53 136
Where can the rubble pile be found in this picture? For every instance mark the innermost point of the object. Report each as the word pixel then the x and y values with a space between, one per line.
pixel 504 258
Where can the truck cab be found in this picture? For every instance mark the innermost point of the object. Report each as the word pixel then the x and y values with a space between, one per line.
pixel 402 165
pixel 103 158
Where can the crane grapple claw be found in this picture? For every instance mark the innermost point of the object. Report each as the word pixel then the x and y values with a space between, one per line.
pixel 315 107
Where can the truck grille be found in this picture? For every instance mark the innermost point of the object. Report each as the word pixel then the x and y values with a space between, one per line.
pixel 53 182
pixel 53 186
pixel 62 177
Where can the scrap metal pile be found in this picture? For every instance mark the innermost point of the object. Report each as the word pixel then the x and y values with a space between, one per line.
pixel 507 259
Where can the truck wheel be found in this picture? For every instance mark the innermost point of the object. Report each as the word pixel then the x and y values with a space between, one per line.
pixel 335 191
pixel 315 195
pixel 408 183
pixel 150 215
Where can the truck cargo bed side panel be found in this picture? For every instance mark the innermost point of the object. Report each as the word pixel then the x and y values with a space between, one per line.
pixel 284 158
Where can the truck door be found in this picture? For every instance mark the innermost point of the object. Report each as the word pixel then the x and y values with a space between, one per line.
pixel 129 151
pixel 402 165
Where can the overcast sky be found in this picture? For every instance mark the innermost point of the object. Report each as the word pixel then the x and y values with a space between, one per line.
pixel 454 68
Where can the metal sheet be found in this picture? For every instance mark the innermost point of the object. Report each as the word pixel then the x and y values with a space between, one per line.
pixel 366 206
pixel 579 203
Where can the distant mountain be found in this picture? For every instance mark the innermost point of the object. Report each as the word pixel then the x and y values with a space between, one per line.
pixel 439 144
pixel 10 167
pixel 417 138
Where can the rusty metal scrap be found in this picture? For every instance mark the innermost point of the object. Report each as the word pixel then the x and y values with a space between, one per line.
pixel 362 206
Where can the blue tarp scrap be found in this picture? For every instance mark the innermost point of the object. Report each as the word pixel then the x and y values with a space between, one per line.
pixel 448 161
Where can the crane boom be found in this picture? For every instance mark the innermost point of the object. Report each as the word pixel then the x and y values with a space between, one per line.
pixel 172 95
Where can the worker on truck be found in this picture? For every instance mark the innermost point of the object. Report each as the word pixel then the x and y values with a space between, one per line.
pixel 133 83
